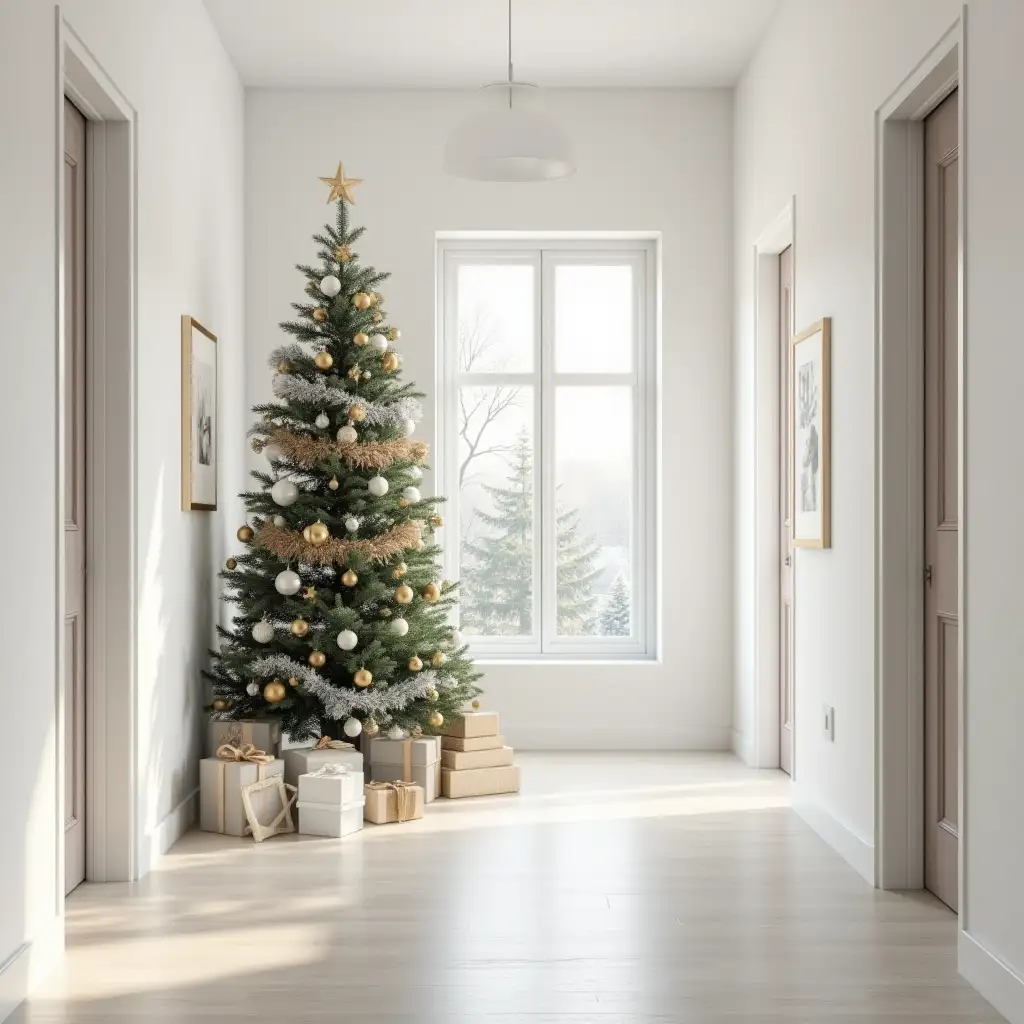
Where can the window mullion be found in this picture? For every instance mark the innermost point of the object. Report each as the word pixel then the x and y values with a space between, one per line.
pixel 549 539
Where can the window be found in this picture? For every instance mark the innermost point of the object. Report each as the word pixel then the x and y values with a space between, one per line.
pixel 548 445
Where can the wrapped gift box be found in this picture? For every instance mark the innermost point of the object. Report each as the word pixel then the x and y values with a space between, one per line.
pixel 410 760
pixel 472 743
pixel 305 760
pixel 473 724
pixel 392 802
pixel 480 781
pixel 460 760
pixel 331 802
pixel 262 733
pixel 220 792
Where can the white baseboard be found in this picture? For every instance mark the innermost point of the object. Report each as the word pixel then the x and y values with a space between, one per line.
pixel 742 745
pixel 998 982
pixel 854 850
pixel 29 965
pixel 164 835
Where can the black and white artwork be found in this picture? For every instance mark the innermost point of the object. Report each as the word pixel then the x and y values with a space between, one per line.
pixel 199 416
pixel 811 463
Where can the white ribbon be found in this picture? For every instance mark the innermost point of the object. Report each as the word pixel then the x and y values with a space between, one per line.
pixel 331 769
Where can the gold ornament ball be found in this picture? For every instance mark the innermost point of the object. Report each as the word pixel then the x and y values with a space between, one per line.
pixel 274 692
pixel 439 659
pixel 394 334
pixel 357 414
pixel 256 444
pixel 319 314
pixel 323 360
pixel 333 483
pixel 309 593
pixel 436 719
pixel 293 681
pixel 476 705
pixel 361 300
pixel 403 594
pixel 403 502
pixel 431 694
pixel 415 664
pixel 245 534
pixel 342 253
pixel 363 678
pixel 399 570
pixel 437 522
pixel 220 705
pixel 230 564
pixel 283 367
pixel 370 728
pixel 372 296
pixel 317 659
pixel 431 592
pixel 389 363
pixel 377 316
pixel 420 545
pixel 317 533
pixel 300 627
pixel 361 339
pixel 350 579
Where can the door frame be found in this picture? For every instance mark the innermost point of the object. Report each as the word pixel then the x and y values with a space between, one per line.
pixel 111 825
pixel 899 439
pixel 780 234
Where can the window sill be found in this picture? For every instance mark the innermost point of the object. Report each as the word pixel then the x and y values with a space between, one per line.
pixel 577 660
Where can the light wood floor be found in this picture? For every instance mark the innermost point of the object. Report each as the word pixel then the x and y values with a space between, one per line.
pixel 622 889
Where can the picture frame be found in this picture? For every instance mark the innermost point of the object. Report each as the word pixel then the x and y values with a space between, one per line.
pixel 811 462
pixel 198 417
pixel 272 803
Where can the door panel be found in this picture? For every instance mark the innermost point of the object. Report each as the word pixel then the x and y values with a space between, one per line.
pixel 786 510
pixel 942 586
pixel 74 496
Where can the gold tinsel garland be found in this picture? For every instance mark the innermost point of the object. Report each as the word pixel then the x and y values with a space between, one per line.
pixel 308 451
pixel 289 545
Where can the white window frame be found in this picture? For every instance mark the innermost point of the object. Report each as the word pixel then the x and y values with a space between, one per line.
pixel 545 255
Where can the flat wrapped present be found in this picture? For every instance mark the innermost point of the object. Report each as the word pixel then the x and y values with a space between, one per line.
pixel 388 802
pixel 304 760
pixel 460 760
pixel 221 779
pixel 331 801
pixel 262 733
pixel 480 781
pixel 472 743
pixel 409 760
pixel 472 724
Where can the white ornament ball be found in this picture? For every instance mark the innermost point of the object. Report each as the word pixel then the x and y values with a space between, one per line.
pixel 253 689
pixel 330 286
pixel 366 374
pixel 284 492
pixel 411 494
pixel 378 486
pixel 352 727
pixel 410 428
pixel 399 627
pixel 263 632
pixel 351 524
pixel 347 435
pixel 396 732
pixel 379 342
pixel 272 452
pixel 347 640
pixel 287 582
pixel 323 421
pixel 415 472
pixel 458 640
pixel 280 522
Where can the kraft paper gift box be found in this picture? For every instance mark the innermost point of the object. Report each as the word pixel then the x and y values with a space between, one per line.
pixel 388 802
pixel 473 724
pixel 331 801
pixel 220 791
pixel 305 760
pixel 480 781
pixel 409 760
pixel 472 743
pixel 461 760
pixel 262 733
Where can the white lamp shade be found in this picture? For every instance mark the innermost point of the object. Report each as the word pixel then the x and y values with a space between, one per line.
pixel 509 143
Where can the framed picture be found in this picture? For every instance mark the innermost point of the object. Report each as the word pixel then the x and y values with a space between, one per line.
pixel 812 459
pixel 198 417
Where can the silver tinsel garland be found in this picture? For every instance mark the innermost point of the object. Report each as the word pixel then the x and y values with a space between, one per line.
pixel 316 392
pixel 339 702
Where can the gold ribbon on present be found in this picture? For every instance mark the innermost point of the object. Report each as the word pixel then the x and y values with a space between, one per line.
pixel 246 752
pixel 405 799
pixel 326 743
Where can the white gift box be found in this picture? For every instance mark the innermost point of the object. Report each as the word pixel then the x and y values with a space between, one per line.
pixel 410 760
pixel 331 802
pixel 220 792
pixel 264 734
pixel 306 760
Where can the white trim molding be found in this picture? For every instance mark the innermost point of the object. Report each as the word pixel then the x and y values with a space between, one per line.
pixel 995 979
pixel 857 852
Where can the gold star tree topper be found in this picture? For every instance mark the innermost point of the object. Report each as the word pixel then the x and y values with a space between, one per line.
pixel 341 187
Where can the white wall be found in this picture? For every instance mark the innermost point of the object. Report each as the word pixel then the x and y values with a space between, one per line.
pixel 648 160
pixel 169 63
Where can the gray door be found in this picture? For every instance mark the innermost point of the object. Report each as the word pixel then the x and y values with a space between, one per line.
pixel 786 510
pixel 74 496
pixel 942 634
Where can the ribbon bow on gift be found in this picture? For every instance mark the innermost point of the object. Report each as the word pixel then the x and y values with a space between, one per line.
pixel 405 800
pixel 331 769
pixel 246 752
pixel 326 743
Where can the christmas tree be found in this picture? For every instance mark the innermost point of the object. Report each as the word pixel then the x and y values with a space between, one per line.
pixel 498 599
pixel 615 616
pixel 342 616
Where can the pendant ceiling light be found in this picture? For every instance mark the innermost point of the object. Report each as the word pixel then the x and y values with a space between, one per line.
pixel 511 140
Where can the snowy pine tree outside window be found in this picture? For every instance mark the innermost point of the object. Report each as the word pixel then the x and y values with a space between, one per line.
pixel 548 443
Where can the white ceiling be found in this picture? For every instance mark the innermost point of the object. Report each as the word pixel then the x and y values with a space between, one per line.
pixel 462 43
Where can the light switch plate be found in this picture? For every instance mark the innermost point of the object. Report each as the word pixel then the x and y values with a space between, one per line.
pixel 828 722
